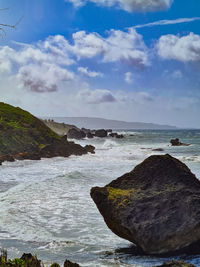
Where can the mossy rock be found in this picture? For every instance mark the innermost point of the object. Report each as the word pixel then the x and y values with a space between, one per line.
pixel 156 206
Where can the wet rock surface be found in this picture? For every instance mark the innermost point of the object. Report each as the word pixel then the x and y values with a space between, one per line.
pixel 176 142
pixel 156 206
pixel 176 264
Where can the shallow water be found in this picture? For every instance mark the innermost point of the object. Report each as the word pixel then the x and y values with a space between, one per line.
pixel 46 208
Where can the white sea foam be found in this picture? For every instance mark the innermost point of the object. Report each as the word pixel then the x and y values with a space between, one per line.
pixel 47 206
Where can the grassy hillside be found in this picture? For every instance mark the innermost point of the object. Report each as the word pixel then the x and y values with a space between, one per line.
pixel 20 131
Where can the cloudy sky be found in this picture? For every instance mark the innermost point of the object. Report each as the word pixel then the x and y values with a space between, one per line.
pixel 132 60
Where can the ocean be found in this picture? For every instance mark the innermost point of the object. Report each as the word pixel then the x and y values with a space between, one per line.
pixel 46 209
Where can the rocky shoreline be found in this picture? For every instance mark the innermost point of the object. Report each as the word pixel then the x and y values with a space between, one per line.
pixel 28 260
pixel 23 136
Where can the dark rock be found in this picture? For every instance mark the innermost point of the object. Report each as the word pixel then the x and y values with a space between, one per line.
pixel 64 138
pixel 85 130
pixel 158 149
pixel 27 155
pixel 31 261
pixel 90 148
pixel 101 133
pixel 112 134
pixel 176 142
pixel 90 135
pixel 156 206
pixel 116 135
pixel 71 264
pixel 76 134
pixel 55 265
pixel 176 264
pixel 9 158
pixel 119 136
pixel 109 130
pixel 62 149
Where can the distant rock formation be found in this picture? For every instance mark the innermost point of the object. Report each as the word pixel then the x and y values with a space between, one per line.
pixel 156 206
pixel 176 142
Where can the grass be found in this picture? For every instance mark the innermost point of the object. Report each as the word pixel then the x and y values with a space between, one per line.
pixel 21 131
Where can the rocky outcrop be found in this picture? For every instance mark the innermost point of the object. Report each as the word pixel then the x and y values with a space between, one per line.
pixel 176 264
pixel 101 133
pixel 116 135
pixel 24 136
pixel 68 263
pixel 90 135
pixel 76 134
pixel 176 142
pixel 156 206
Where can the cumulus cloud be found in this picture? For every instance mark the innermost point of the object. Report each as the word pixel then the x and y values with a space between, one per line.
pixel 89 73
pixel 43 78
pixel 129 5
pixel 39 67
pixel 185 48
pixel 96 96
pixel 122 46
pixel 42 66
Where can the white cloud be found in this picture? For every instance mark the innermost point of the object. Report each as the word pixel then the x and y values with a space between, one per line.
pixel 43 78
pixel 128 77
pixel 129 5
pixel 96 96
pixel 167 22
pixel 185 49
pixel 89 73
pixel 127 47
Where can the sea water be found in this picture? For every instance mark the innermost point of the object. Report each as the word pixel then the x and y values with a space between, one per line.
pixel 46 208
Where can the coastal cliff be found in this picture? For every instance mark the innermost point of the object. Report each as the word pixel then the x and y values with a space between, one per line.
pixel 23 136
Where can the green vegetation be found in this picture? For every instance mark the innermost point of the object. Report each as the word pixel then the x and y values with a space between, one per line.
pixel 120 196
pixel 20 131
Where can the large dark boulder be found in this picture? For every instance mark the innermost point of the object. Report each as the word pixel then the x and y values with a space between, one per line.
pixel 76 134
pixel 101 133
pixel 156 206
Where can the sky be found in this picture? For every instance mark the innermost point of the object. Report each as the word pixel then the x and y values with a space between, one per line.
pixel 131 60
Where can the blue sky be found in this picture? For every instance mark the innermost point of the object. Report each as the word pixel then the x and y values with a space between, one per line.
pixel 133 60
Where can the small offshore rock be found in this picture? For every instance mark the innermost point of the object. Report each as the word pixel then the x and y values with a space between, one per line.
pixel 90 148
pixel 70 264
pixel 176 142
pixel 158 149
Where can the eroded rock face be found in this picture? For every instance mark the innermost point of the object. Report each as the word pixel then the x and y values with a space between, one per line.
pixel 156 206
